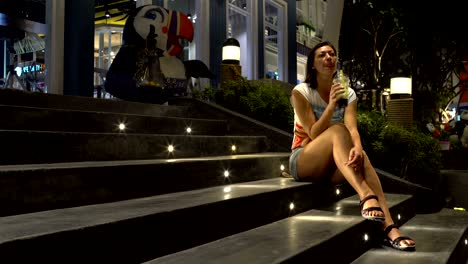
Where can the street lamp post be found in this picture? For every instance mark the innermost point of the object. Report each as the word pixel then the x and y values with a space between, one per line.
pixel 400 105
pixel 230 65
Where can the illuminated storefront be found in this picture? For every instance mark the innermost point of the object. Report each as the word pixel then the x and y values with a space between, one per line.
pixel 270 40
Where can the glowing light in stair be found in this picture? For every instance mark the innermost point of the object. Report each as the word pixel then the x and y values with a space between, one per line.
pixel 170 148
pixel 366 237
pixel 227 189
pixel 283 182
pixel 282 167
pixel 466 241
pixel 121 126
pixel 188 130
pixel 291 206
pixel 399 216
pixel 338 191
pixel 226 174
pixel 233 148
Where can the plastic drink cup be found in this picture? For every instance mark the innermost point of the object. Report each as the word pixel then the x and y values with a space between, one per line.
pixel 343 80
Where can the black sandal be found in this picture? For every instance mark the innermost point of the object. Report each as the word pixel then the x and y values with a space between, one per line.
pixel 364 211
pixel 395 244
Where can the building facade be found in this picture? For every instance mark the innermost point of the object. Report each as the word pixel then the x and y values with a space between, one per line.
pixel 275 36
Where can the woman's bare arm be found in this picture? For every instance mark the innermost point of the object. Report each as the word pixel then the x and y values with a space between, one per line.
pixel 312 127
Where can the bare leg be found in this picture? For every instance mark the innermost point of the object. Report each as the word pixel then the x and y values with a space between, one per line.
pixel 327 154
pixel 330 150
pixel 372 179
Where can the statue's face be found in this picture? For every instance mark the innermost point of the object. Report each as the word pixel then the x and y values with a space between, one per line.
pixel 464 115
pixel 149 17
pixel 430 127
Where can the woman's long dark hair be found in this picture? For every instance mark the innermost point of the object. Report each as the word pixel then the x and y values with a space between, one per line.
pixel 311 72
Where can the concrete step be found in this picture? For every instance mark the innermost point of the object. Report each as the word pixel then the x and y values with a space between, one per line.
pixel 331 236
pixel 457 184
pixel 36 187
pixel 238 124
pixel 138 230
pixel 427 200
pixel 45 100
pixel 50 119
pixel 23 147
pixel 440 238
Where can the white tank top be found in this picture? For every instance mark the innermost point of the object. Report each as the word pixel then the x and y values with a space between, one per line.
pixel 318 105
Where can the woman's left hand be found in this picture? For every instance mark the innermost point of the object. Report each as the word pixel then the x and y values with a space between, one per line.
pixel 356 158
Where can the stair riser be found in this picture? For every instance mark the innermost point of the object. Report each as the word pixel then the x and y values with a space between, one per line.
pixel 33 190
pixel 22 147
pixel 145 238
pixel 26 118
pixel 238 124
pixel 460 254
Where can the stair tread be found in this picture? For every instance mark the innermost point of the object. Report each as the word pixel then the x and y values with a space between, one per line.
pixel 53 221
pixel 55 101
pixel 102 114
pixel 280 240
pixel 128 135
pixel 90 164
pixel 436 237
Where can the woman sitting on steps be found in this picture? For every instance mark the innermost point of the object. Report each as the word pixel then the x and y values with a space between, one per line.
pixel 327 146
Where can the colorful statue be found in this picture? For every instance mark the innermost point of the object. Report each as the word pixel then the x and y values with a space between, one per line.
pixel 463 92
pixel 146 68
pixel 462 128
pixel 434 131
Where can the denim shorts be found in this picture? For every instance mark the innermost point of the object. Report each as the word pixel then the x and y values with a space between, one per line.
pixel 292 162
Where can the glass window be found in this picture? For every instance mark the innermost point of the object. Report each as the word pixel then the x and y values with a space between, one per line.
pixel 239 4
pixel 274 40
pixel 107 42
pixel 189 8
pixel 301 68
pixel 238 26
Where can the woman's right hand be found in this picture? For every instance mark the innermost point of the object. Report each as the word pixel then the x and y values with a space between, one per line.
pixel 336 92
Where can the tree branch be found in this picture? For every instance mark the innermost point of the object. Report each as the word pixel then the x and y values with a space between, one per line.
pixel 385 46
pixel 367 31
pixel 388 40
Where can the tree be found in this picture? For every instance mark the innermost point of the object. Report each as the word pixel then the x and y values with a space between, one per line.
pixel 371 31
pixel 437 48
pixel 383 39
